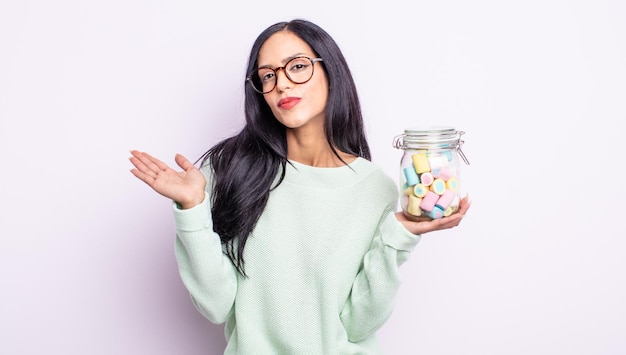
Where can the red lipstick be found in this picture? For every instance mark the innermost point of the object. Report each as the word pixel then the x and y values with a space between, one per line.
pixel 288 102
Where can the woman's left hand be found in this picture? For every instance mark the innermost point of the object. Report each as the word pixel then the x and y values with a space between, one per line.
pixel 421 227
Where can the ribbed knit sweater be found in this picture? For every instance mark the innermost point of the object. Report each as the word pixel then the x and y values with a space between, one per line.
pixel 322 264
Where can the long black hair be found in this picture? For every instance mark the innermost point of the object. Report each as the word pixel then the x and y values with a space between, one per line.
pixel 248 165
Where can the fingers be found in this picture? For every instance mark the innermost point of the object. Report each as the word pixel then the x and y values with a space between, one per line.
pixel 141 170
pixel 183 162
pixel 451 221
pixel 143 177
pixel 464 205
pixel 147 167
pixel 421 227
pixel 138 161
pixel 149 162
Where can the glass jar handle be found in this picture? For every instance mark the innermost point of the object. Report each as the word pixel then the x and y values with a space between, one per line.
pixel 458 148
pixel 398 142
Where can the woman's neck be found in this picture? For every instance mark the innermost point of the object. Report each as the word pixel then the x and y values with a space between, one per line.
pixel 313 150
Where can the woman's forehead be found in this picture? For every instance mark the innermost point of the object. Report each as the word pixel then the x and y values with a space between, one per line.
pixel 282 46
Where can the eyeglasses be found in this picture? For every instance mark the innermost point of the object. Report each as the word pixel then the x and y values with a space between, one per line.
pixel 298 70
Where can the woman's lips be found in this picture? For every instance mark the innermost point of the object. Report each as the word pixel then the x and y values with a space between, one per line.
pixel 288 102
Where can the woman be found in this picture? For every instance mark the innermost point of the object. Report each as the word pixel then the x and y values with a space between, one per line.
pixel 287 232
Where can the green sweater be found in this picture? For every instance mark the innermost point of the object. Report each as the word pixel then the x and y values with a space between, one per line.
pixel 322 264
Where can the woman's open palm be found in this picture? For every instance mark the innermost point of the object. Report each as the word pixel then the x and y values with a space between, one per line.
pixel 427 225
pixel 186 187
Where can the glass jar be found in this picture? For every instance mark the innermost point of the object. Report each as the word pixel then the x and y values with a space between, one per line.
pixel 430 171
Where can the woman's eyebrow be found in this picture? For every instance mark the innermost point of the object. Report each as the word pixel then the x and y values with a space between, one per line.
pixel 292 56
pixel 284 61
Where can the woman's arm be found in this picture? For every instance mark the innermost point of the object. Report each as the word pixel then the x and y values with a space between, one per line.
pixel 374 290
pixel 206 272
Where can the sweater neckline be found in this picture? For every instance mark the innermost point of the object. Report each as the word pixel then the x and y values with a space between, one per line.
pixel 326 178
pixel 298 165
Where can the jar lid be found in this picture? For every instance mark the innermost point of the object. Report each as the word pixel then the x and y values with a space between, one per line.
pixel 431 135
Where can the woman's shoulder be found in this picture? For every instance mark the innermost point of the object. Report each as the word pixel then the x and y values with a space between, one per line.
pixel 367 166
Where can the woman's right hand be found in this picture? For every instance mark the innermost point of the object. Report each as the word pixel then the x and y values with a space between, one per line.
pixel 428 225
pixel 186 187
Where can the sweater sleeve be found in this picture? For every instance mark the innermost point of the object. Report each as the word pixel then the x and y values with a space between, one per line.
pixel 373 293
pixel 207 273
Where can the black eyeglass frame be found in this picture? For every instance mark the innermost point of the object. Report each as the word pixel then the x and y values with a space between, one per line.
pixel 275 70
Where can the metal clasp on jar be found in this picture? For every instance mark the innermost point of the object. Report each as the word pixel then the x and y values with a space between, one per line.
pixel 398 142
pixel 458 148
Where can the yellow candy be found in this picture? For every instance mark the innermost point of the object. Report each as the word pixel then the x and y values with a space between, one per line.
pixel 414 206
pixel 452 184
pixel 419 190
pixel 438 186
pixel 420 162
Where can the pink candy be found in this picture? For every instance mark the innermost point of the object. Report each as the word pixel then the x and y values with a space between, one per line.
pixel 429 201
